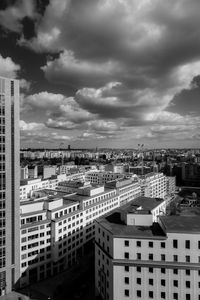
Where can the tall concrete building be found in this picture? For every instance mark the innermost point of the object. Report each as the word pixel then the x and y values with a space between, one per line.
pixel 9 185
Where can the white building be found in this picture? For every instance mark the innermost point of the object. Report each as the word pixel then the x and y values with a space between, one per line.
pixel 28 186
pixel 153 185
pixel 136 258
pixel 100 177
pixel 127 189
pixel 56 229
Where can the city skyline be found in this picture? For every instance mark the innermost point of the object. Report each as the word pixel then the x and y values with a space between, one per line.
pixel 104 73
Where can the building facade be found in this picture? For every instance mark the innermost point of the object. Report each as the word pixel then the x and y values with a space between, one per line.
pixel 101 177
pixel 136 258
pixel 154 185
pixel 55 230
pixel 9 185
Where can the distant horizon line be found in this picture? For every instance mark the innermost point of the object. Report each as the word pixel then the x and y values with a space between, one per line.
pixel 103 148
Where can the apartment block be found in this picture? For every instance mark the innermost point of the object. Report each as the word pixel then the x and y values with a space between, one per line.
pixel 153 185
pixel 140 254
pixel 127 189
pixel 57 229
pixel 101 177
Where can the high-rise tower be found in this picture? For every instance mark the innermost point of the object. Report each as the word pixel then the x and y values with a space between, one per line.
pixel 9 185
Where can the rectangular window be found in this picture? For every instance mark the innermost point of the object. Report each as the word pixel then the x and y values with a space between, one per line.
pixel 138 269
pixel 150 281
pixel 162 244
pixel 126 280
pixel 187 272
pixel 163 270
pixel 138 243
pixel 138 255
pixel 162 282
pixel 187 258
pixel 175 283
pixel 150 294
pixel 162 295
pixel 126 268
pixel 126 293
pixel 187 284
pixel 150 244
pixel 163 257
pixel 175 244
pixel 175 257
pixel 139 293
pixel 138 280
pixel 187 244
pixel 150 270
pixel 126 255
pixel 175 271
pixel 175 296
pixel 126 243
pixel 150 256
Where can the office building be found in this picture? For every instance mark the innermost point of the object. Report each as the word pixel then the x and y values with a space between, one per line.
pixel 127 189
pixel 140 254
pixel 9 185
pixel 57 228
pixel 101 177
pixel 153 185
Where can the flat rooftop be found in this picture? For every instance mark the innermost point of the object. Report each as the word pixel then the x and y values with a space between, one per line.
pixel 118 228
pixel 146 204
pixel 181 224
pixel 81 198
pixel 113 221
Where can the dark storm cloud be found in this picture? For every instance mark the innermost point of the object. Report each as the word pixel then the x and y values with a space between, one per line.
pixel 141 46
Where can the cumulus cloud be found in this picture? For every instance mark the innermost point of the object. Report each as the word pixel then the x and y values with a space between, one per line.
pixel 66 125
pixel 117 101
pixel 78 72
pixel 33 133
pixel 57 110
pixel 24 126
pixel 8 68
pixel 12 16
pixel 129 63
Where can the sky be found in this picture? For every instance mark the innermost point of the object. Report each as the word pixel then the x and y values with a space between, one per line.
pixel 104 73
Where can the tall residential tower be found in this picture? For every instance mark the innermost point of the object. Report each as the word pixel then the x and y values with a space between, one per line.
pixel 9 185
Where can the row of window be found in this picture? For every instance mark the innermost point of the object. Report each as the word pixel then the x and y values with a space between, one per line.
pixel 163 295
pixel 162 257
pixel 162 244
pixel 163 270
pixel 103 197
pixel 152 281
